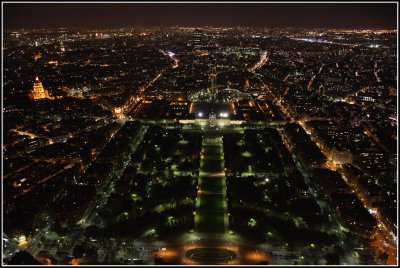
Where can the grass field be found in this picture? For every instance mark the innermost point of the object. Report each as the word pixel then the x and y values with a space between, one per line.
pixel 212 184
pixel 211 222
pixel 211 202
pixel 210 211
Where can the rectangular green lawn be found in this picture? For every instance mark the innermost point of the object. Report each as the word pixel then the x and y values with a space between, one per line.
pixel 211 222
pixel 212 150
pixel 211 202
pixel 211 213
pixel 212 184
pixel 212 165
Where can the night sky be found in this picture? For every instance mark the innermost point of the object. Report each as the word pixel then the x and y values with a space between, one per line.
pixel 109 15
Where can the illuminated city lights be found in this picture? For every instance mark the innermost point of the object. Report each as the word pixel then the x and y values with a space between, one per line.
pixel 266 144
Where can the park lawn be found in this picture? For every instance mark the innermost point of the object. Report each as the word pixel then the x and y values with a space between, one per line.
pixel 211 222
pixel 212 165
pixel 211 211
pixel 212 150
pixel 212 184
pixel 211 202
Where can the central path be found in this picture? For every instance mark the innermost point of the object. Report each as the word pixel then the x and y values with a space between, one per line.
pixel 211 207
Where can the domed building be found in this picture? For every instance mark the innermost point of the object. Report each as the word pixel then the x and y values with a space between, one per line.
pixel 38 92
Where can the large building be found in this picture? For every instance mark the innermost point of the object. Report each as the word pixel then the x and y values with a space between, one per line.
pixel 38 92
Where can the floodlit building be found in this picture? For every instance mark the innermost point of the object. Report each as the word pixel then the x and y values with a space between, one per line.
pixel 341 157
pixel 38 92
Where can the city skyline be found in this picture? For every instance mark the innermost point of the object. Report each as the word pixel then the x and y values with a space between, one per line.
pixel 194 145
pixel 113 15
